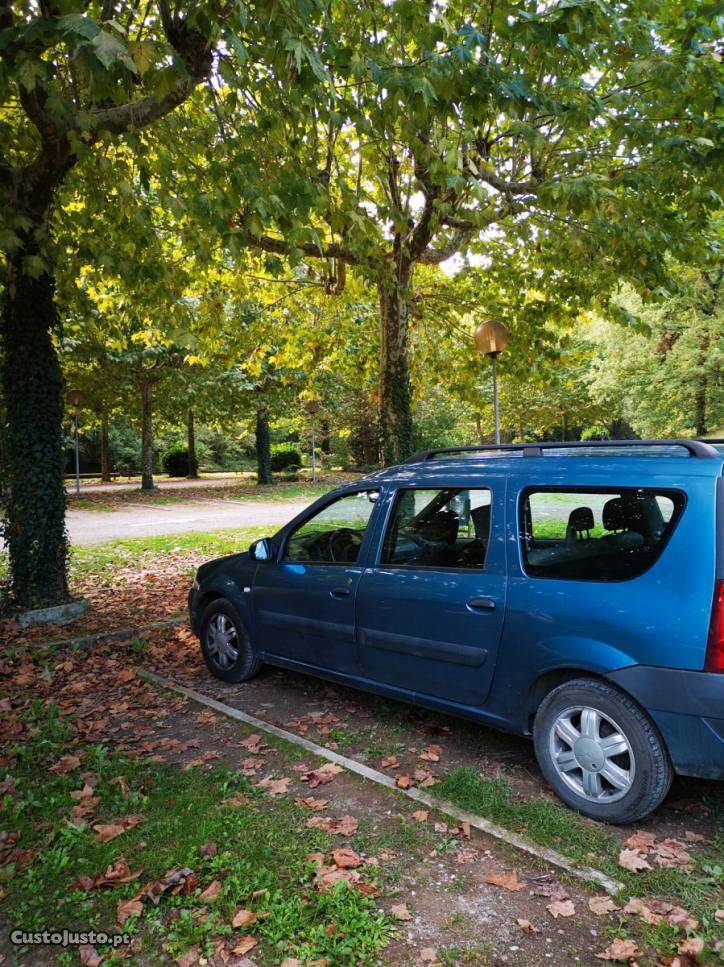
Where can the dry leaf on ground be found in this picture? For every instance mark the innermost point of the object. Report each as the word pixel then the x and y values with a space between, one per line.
pixel 692 947
pixel 322 775
pixel 400 912
pixel 508 881
pixel 420 815
pixel 275 787
pixel 108 831
pixel 601 905
pixel 632 860
pixel 243 918
pixel 620 950
pixel 526 926
pixel 561 908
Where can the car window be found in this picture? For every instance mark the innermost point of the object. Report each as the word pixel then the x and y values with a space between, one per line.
pixel 596 535
pixel 447 527
pixel 334 535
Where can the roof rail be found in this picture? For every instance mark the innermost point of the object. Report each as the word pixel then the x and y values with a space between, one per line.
pixel 695 448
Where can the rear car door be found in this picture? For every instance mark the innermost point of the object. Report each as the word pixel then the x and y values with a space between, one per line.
pixel 304 599
pixel 430 609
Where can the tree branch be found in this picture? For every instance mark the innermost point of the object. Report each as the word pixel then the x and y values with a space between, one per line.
pixel 278 246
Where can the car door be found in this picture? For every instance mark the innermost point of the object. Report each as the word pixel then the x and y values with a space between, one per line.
pixel 430 608
pixel 304 599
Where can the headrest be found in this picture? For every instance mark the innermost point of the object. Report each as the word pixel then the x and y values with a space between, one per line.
pixel 620 514
pixel 581 519
pixel 481 521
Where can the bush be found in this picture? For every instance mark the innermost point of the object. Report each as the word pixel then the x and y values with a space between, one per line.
pixel 176 461
pixel 595 433
pixel 285 456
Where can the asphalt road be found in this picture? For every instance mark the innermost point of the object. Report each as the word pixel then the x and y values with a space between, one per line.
pixel 147 520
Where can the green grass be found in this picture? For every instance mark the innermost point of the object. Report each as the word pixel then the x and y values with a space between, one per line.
pixel 98 558
pixel 258 864
pixel 552 825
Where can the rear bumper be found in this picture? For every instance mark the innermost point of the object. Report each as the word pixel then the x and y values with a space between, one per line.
pixel 688 708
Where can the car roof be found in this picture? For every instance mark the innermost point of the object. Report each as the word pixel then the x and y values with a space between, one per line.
pixel 556 463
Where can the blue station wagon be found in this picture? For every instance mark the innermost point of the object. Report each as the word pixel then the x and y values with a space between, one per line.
pixel 570 592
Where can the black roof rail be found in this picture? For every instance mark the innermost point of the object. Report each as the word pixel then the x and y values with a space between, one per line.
pixel 695 448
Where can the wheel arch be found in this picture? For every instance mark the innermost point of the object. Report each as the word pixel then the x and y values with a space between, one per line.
pixel 548 680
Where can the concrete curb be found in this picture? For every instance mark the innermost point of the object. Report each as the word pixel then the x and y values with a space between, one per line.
pixel 585 873
pixel 89 640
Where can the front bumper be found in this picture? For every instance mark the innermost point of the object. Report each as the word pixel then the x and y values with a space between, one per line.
pixel 688 708
pixel 194 599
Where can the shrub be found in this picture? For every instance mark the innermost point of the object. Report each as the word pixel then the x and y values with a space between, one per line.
pixel 176 461
pixel 285 456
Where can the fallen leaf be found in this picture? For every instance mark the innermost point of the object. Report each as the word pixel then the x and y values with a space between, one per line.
pixel 400 912
pixel 428 955
pixel 389 763
pixel 600 905
pixel 431 754
pixel 238 800
pixel 403 782
pixel 719 916
pixel 641 840
pixel 561 908
pixel 275 787
pixel 252 744
pixel 322 775
pixel 243 918
pixel 420 815
pixel 66 764
pixel 692 947
pixel 108 831
pixel 508 881
pixel 316 805
pixel 693 837
pixel 211 892
pixel 346 826
pixel 620 950
pixel 346 859
pixel 188 959
pixel 632 860
pixel 128 908
pixel 526 926
pixel 88 955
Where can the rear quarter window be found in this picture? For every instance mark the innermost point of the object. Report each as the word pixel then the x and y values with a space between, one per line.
pixel 596 535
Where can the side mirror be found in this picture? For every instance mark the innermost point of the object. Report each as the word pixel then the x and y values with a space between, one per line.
pixel 261 550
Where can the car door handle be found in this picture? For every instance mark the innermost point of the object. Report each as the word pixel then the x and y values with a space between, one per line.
pixel 339 593
pixel 482 604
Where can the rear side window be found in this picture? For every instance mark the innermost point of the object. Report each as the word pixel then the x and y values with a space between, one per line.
pixel 596 535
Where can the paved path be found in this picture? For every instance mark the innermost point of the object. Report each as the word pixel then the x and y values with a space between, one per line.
pixel 176 483
pixel 144 520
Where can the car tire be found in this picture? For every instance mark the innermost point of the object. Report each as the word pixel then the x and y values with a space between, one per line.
pixel 225 644
pixel 600 752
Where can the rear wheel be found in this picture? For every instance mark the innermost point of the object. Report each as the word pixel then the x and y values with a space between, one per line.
pixel 600 752
pixel 225 644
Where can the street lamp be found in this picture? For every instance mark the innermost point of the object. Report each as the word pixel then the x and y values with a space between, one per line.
pixel 74 398
pixel 312 408
pixel 491 338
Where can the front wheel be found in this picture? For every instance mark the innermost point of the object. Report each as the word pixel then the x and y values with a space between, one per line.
pixel 225 644
pixel 600 752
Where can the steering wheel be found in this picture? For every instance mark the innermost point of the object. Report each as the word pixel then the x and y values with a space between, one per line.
pixel 341 542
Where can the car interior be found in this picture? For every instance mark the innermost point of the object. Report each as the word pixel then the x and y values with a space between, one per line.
pixel 628 539
pixel 447 532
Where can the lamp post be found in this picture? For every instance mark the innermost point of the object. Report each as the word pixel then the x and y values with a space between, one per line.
pixel 74 398
pixel 491 338
pixel 312 408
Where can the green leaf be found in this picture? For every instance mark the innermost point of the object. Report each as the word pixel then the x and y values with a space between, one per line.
pixel 110 51
pixel 76 23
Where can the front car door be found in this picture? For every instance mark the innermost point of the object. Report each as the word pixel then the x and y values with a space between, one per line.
pixel 304 599
pixel 430 611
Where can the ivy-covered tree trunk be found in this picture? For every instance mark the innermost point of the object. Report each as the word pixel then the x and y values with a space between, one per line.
pixel 105 456
pixel 147 434
pixel 32 385
pixel 191 444
pixel 263 445
pixel 395 397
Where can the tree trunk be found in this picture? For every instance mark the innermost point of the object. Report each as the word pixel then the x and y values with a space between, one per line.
pixel 325 444
pixel 395 397
pixel 32 387
pixel 263 447
pixel 479 429
pixel 521 431
pixel 700 418
pixel 147 434
pixel 105 459
pixel 191 445
pixel 564 426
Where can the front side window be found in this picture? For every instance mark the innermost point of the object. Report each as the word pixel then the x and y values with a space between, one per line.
pixel 438 528
pixel 596 535
pixel 335 534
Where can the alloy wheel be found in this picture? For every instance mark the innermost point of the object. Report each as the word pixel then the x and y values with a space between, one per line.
pixel 592 755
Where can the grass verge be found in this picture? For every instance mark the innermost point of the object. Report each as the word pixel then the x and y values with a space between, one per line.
pixel 258 865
